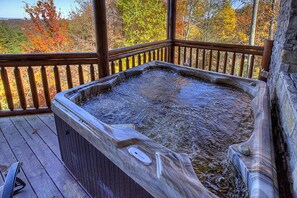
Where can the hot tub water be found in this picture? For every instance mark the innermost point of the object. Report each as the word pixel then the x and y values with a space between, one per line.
pixel 187 116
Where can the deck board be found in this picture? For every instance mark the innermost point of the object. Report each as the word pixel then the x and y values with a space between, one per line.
pixel 6 159
pixel 32 140
pixel 48 136
pixel 49 121
pixel 34 169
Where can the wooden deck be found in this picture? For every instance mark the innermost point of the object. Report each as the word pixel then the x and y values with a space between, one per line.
pixel 32 139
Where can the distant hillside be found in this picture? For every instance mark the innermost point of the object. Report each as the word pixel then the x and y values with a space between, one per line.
pixel 14 23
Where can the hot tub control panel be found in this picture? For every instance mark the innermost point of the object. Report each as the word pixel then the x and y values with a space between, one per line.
pixel 140 155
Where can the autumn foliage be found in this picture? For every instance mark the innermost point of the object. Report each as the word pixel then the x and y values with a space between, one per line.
pixel 45 30
pixel 132 22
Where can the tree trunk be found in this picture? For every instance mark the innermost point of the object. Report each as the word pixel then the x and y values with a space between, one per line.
pixel 273 7
pixel 252 31
pixel 254 22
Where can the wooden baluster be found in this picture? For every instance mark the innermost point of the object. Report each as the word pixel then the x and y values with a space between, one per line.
pixel 166 54
pixel 241 65
pixel 120 65
pixel 57 79
pixel 225 62
pixel 154 55
pixel 80 74
pixel 158 54
pixel 144 57
pixel 197 57
pixel 69 76
pixel 185 55
pixel 133 61
pixel 20 87
pixel 7 89
pixel 127 63
pixel 190 63
pixel 178 57
pixel 33 87
pixel 218 61
pixel 251 68
pixel 162 54
pixel 203 59
pixel 112 67
pixel 45 86
pixel 150 55
pixel 233 63
pixel 210 60
pixel 92 71
pixel 99 69
pixel 139 59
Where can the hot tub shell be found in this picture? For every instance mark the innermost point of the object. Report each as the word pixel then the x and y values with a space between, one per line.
pixel 97 153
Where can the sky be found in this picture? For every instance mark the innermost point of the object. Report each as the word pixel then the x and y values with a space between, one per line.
pixel 15 8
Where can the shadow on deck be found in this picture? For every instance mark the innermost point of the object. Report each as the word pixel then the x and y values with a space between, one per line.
pixel 32 139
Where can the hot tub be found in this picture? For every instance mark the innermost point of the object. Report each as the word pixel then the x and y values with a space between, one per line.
pixel 162 130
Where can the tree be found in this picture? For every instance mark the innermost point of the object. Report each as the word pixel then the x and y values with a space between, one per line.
pixel 225 23
pixel 10 39
pixel 264 17
pixel 2 49
pixel 143 20
pixel 189 15
pixel 81 26
pixel 45 31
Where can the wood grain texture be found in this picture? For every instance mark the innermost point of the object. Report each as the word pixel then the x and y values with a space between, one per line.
pixel 45 133
pixel 45 86
pixel 35 172
pixel 7 89
pixel 41 166
pixel 268 44
pixel 99 8
pixel 49 121
pixel 57 79
pixel 20 87
pixel 33 87
pixel 7 157
pixel 68 186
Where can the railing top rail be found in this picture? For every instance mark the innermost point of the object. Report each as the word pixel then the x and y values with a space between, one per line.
pixel 237 46
pixel 136 47
pixel 74 55
pixel 229 49
pixel 47 56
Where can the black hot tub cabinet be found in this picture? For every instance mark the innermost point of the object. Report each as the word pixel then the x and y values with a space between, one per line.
pixel 118 161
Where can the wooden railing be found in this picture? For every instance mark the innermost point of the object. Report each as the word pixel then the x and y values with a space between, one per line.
pixel 239 60
pixel 29 81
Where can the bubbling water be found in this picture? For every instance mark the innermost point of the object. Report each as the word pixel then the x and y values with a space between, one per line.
pixel 186 115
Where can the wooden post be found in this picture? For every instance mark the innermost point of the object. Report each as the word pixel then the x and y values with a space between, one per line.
pixel 101 37
pixel 171 26
pixel 268 44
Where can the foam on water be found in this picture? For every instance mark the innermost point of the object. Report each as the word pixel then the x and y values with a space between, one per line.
pixel 187 116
